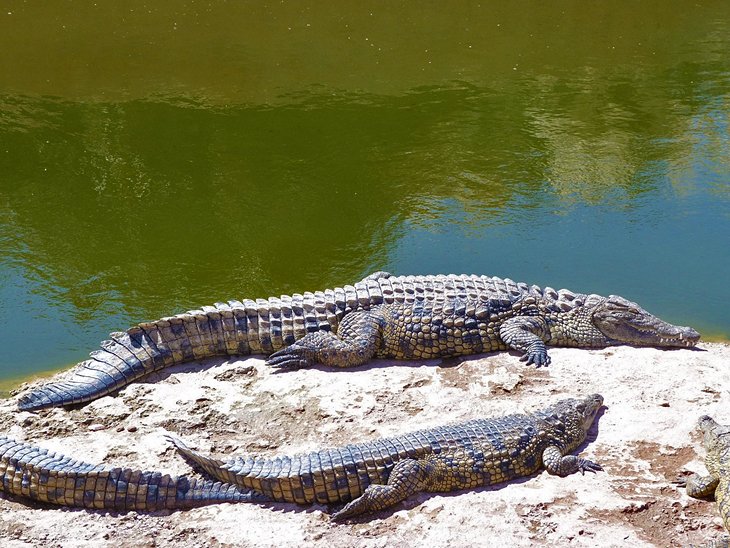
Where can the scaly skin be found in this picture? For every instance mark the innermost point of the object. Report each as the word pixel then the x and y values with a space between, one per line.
pixel 461 326
pixel 37 474
pixel 717 461
pixel 378 474
pixel 467 313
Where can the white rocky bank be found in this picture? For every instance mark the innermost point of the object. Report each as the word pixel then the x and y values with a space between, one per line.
pixel 645 437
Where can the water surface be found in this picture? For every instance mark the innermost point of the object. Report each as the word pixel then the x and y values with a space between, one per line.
pixel 156 157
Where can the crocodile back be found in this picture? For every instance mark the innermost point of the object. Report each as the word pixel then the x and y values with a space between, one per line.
pixel 259 326
pixel 494 450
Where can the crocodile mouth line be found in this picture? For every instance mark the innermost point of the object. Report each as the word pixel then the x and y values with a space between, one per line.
pixel 679 339
pixel 684 343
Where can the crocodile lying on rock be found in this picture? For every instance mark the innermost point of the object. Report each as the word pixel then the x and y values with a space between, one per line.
pixel 717 483
pixel 40 475
pixel 378 474
pixel 402 317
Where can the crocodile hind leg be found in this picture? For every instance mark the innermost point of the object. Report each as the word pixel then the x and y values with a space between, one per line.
pixel 408 477
pixel 358 338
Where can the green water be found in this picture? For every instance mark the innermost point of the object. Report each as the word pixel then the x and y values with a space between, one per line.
pixel 159 156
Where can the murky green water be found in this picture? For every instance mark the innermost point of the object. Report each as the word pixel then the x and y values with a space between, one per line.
pixel 156 157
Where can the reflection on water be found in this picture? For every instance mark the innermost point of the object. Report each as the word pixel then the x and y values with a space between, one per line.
pixel 553 161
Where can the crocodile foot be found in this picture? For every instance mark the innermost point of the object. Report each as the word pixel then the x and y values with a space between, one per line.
pixel 291 357
pixel 536 354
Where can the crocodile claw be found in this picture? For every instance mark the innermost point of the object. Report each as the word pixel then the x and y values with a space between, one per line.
pixel 361 505
pixel 682 478
pixel 585 465
pixel 538 357
pixel 291 357
pixel 343 514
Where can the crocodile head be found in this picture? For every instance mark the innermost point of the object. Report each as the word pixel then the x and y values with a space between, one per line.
pixel 587 409
pixel 717 436
pixel 577 415
pixel 624 322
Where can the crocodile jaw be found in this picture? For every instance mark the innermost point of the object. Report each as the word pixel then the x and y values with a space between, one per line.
pixel 716 435
pixel 590 406
pixel 625 322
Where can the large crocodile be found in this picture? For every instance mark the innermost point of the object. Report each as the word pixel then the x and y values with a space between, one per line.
pixel 421 316
pixel 378 474
pixel 717 461
pixel 38 474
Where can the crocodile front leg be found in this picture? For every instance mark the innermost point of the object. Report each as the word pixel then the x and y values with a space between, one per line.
pixel 527 334
pixel 358 339
pixel 700 487
pixel 563 465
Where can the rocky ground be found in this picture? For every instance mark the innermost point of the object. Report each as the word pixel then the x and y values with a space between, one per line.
pixel 644 439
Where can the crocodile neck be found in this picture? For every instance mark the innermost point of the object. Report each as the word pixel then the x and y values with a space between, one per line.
pixel 573 327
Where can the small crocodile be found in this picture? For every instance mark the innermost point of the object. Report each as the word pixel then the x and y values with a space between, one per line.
pixel 378 474
pixel 40 475
pixel 403 317
pixel 717 461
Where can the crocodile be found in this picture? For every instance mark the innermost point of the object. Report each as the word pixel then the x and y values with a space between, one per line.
pixel 717 483
pixel 37 474
pixel 378 474
pixel 421 317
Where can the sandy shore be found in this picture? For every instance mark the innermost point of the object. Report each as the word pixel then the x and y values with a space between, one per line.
pixel 645 437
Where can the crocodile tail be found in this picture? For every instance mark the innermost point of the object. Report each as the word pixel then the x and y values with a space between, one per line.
pixel 38 474
pixel 124 489
pixel 191 493
pixel 234 328
pixel 142 349
pixel 212 467
pixel 258 477
pixel 237 328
